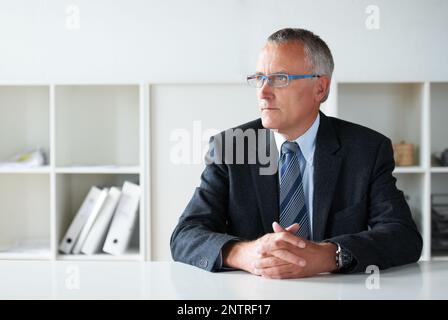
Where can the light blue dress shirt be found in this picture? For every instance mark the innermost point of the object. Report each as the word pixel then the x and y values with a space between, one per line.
pixel 307 143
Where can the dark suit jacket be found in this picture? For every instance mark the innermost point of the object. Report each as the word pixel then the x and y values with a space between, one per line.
pixel 355 202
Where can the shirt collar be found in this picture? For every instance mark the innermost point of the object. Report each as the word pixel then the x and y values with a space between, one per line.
pixel 306 142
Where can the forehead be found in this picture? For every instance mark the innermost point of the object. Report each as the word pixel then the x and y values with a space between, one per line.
pixel 281 57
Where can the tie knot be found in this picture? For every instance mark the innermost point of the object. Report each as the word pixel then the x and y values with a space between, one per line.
pixel 289 146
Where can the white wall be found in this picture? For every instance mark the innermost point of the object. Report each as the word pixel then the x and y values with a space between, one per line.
pixel 206 42
pixel 198 40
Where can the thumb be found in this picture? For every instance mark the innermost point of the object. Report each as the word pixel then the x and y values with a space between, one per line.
pixel 277 227
pixel 293 228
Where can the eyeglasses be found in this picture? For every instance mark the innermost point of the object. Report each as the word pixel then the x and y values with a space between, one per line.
pixel 277 79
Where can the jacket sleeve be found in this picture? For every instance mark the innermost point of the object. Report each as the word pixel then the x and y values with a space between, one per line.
pixel 201 231
pixel 392 238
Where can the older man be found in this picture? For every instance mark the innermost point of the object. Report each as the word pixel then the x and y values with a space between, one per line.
pixel 332 205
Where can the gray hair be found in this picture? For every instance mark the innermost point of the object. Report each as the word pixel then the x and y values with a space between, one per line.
pixel 317 54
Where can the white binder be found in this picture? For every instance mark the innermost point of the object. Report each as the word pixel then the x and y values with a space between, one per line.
pixel 90 220
pixel 123 223
pixel 80 219
pixel 97 235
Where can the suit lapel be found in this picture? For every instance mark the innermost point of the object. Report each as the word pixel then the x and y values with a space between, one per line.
pixel 266 186
pixel 326 170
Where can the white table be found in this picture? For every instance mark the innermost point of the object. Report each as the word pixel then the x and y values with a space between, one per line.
pixel 169 280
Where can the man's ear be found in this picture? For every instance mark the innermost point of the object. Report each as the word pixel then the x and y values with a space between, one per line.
pixel 322 89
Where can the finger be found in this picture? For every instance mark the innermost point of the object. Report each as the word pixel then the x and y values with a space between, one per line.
pixel 275 241
pixel 282 240
pixel 293 239
pixel 277 227
pixel 290 257
pixel 293 228
pixel 269 262
pixel 281 272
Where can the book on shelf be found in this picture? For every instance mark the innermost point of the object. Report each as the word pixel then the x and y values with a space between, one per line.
pixel 90 220
pixel 104 222
pixel 91 203
pixel 124 220
pixel 97 234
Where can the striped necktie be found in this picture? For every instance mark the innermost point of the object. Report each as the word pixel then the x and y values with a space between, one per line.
pixel 292 198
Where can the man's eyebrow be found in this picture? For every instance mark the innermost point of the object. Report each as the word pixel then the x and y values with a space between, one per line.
pixel 276 72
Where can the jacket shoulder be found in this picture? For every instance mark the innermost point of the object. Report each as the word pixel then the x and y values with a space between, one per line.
pixel 352 132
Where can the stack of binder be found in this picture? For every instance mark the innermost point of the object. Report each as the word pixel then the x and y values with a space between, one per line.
pixel 439 225
pixel 104 222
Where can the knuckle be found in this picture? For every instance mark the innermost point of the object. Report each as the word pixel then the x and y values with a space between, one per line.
pixel 283 235
pixel 260 252
pixel 259 249
pixel 278 241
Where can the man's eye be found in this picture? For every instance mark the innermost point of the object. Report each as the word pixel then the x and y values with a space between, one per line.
pixel 280 77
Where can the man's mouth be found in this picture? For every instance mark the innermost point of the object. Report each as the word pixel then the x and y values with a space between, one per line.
pixel 265 105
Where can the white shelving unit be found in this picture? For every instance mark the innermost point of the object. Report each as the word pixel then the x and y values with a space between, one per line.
pixel 92 135
pixel 100 134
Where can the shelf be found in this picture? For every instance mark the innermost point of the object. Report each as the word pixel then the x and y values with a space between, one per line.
pixel 97 125
pixel 77 170
pixel 27 250
pixel 99 170
pixel 412 169
pixel 38 170
pixel 24 120
pixel 25 256
pixel 95 134
pixel 439 169
pixel 440 257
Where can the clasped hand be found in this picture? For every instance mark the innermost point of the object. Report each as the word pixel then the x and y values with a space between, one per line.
pixel 282 254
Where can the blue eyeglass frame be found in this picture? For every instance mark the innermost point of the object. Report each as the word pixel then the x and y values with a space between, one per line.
pixel 289 76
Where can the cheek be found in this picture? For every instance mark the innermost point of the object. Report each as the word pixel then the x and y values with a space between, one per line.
pixel 302 100
pixel 293 102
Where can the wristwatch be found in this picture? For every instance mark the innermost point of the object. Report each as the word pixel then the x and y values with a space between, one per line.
pixel 343 258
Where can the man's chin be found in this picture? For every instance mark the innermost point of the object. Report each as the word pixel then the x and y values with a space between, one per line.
pixel 269 123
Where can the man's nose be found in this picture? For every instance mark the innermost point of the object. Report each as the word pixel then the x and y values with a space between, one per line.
pixel 265 92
